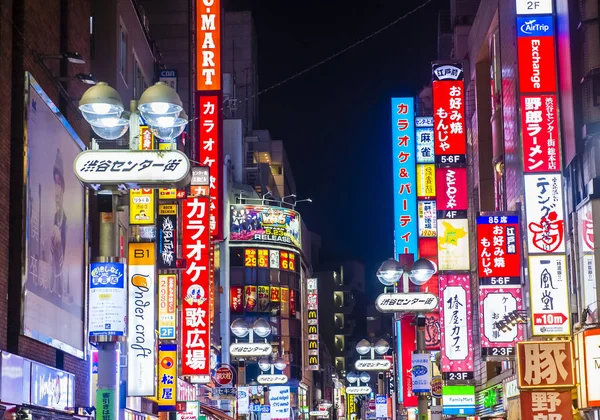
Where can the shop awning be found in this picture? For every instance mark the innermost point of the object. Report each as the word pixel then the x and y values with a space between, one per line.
pixel 215 412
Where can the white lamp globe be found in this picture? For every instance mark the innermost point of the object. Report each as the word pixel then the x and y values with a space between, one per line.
pixel 363 347
pixel 261 328
pixel 382 347
pixel 390 272
pixel 422 270
pixel 239 328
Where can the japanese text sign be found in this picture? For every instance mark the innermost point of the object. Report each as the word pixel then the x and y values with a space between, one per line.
pixel 498 250
pixel 195 327
pixel 141 206
pixel 495 304
pixel 167 377
pixel 237 300
pixel 167 306
pixel 549 294
pixel 426 181
pixel 167 241
pixel 406 344
pixel 425 145
pixel 210 155
pixel 546 405
pixel 587 279
pixel 541 145
pixel 208 44
pixel 403 153
pixel 455 317
pixel 535 42
pixel 427 219
pixel 450 132
pixel 545 364
pixel 453 245
pixel 451 187
pixel 146 138
pixel 545 214
pixel 107 299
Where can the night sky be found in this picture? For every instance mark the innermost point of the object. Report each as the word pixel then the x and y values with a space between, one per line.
pixel 335 119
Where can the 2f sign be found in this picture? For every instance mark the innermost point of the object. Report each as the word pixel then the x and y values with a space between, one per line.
pixel 534 7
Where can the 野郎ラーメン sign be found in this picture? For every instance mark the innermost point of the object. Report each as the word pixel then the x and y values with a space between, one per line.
pixel 195 325
pixel 455 318
pixel 547 404
pixel 107 299
pixel 141 320
pixel 167 377
pixel 539 119
pixel 495 304
pixel 208 45
pixel 167 306
pixel 265 224
pixel 498 250
pixel 404 171
pixel 146 168
pixel 545 364
pixel 549 295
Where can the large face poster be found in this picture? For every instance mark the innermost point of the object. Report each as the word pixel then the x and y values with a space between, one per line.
pixel 53 283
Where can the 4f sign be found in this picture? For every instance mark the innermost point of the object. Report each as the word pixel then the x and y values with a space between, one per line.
pixel 208 55
pixel 534 7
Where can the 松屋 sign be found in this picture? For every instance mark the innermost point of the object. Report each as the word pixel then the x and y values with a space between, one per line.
pixel 406 302
pixel 146 168
pixel 208 45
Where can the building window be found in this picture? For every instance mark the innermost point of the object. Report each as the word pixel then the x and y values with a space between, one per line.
pixel 139 82
pixel 123 54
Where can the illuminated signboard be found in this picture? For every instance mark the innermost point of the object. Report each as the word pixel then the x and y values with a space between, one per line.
pixel 208 45
pixel 587 279
pixel 499 249
pixel 427 219
pixel 534 7
pixel 166 241
pixel 312 293
pixel 494 304
pixel 141 206
pixel 425 144
pixel 425 182
pixel 167 306
pixel 403 168
pixel 535 39
pixel 541 146
pixel 167 377
pixel 265 224
pixel 452 199
pixel 453 245
pixel 545 364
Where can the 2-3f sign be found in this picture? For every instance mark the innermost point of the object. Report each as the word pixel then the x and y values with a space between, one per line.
pixel 534 7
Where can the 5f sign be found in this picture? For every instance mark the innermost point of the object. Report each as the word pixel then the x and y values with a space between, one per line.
pixel 534 7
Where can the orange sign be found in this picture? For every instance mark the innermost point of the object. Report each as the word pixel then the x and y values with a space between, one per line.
pixel 546 405
pixel 545 364
pixel 208 45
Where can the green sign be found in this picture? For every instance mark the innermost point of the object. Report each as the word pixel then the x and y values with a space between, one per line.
pixel 490 398
pixel 105 404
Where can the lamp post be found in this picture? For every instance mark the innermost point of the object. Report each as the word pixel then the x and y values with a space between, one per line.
pixel 389 274
pixel 102 108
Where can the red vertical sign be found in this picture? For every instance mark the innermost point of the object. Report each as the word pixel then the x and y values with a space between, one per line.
pixel 195 324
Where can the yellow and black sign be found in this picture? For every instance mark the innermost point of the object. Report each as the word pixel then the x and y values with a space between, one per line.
pixel 167 209
pixel 141 206
pixel 167 194
pixel 313 344
pixel 313 360
pixel 312 329
pixel 312 314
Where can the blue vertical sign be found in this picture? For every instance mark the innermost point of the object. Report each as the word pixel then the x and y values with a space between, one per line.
pixel 404 168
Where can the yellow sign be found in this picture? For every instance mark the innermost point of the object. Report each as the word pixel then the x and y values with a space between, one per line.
pixel 426 181
pixel 146 138
pixel 453 244
pixel 141 206
pixel 167 209
pixel 167 377
pixel 141 253
pixel 167 194
pixel 162 145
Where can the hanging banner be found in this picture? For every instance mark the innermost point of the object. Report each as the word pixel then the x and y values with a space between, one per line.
pixel 195 285
pixel 421 372
pixel 537 61
pixel 494 305
pixel 403 169
pixel 381 409
pixel 141 320
pixel 549 295
pixel 275 294
pixel 167 377
pixel 166 241
pixel 237 300
pixel 292 303
pixel 498 250
pixel 141 206
pixel 107 299
pixel 167 306
pixel 545 364
pixel 587 277
pixel 264 301
pixel 545 214
pixel 453 245
pixel 455 317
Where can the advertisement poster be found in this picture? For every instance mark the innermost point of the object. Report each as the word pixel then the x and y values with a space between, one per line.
pixel 167 306
pixel 275 294
pixel 273 258
pixel 237 300
pixel 250 257
pixel 549 295
pixel 285 302
pixel 265 224
pixel 141 206
pixel 167 377
pixel 263 299
pixel 494 304
pixel 292 302
pixel 54 276
pixel 166 241
pixel 541 145
pixel 250 298
pixel 243 400
pixel 192 410
pixel 405 345
pixel 263 258
pixel 312 304
pixel 195 287
pixel 404 175
pixel 433 338
pixel 453 245
pixel 499 250
pixel 107 299
pixel 455 316
pixel 587 277
pixel 51 388
pixel 545 214
pixel 279 397
pixel 141 320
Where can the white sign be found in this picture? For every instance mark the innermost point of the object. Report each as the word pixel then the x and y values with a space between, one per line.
pixel 549 294
pixel 455 318
pixel 381 406
pixel 406 302
pixel 318 413
pixel 545 214
pixel 534 7
pixel 141 319
pixel 142 167
pixel 279 398
pixel 108 299
pixel 250 349
pixel 421 372
pixel 192 409
pixel 358 390
pixel 372 364
pixel 200 175
pixel 588 288
pixel 243 400
pixel 495 306
pixel 271 379
pixel 592 368
pixel 436 412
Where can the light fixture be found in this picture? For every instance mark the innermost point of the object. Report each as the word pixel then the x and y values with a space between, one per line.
pixel 88 79
pixel 365 377
pixel 363 347
pixel 264 364
pixel 279 363
pixel 352 377
pixel 239 328
pixel 160 105
pixel 422 270
pixel 72 57
pixel 99 102
pixel 382 347
pixel 390 272
pixel 261 328
pixel 110 128
pixel 173 131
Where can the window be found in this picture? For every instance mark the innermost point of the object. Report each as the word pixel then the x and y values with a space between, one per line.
pixel 139 82
pixel 123 54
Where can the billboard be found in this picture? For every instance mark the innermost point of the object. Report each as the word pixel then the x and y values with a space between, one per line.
pixel 453 244
pixel 494 304
pixel 167 306
pixel 141 320
pixel 545 364
pixel 455 318
pixel 265 224
pixel 195 283
pixel 107 299
pixel 166 241
pixel 55 228
pixel 498 249
pixel 458 400
pixel 312 293
pixel 404 171
pixel 541 145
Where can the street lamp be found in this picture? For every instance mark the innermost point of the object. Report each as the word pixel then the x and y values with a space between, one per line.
pixel 381 347
pixel 260 327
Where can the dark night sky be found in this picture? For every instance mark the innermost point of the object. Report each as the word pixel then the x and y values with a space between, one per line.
pixel 335 119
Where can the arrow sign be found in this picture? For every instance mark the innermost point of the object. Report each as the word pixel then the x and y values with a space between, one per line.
pixel 552 318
